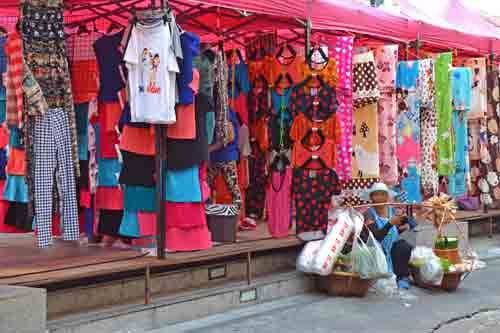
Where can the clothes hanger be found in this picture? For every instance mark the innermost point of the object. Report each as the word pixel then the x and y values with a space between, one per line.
pixel 112 26
pixel 320 51
pixel 282 76
pixel 287 60
pixel 82 29
pixel 315 158
pixel 309 132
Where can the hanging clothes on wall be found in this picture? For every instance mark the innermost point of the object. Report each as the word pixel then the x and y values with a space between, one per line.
pixel 446 158
pixel 408 119
pixel 341 50
pixel 479 97
pixel 428 125
pixel 385 63
pixel 365 157
pixel 51 139
pixel 461 80
pixel 489 168
pixel 152 68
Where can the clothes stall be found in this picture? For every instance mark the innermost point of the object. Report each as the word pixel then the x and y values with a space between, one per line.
pixel 180 126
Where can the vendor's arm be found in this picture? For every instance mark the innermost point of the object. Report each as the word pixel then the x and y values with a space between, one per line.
pixel 379 234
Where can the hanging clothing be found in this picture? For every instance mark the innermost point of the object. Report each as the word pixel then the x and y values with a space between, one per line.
pixel 52 148
pixel 186 226
pixel 488 173
pixel 365 161
pixel 341 51
pixel 256 193
pixel 229 171
pixel 445 159
pixel 190 44
pixel 386 58
pixel 316 103
pixel 312 191
pixel 278 203
pixel 183 154
pixel 152 69
pixel 408 117
pixel 428 124
pixel 83 65
pixel 461 79
pixel 353 191
pixel 365 87
pixel 109 58
pixel 479 98
pixel 14 53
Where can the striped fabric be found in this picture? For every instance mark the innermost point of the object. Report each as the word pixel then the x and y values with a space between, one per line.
pixel 14 52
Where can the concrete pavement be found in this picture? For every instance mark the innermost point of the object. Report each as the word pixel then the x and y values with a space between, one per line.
pixel 475 307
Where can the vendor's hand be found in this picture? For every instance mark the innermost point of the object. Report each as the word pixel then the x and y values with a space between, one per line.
pixel 403 227
pixel 397 220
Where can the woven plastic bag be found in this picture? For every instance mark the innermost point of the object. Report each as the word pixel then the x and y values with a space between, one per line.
pixel 369 259
pixel 335 240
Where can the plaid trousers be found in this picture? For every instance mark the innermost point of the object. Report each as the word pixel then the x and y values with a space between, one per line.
pixel 52 150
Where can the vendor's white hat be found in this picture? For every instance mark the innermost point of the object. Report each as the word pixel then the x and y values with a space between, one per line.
pixel 377 187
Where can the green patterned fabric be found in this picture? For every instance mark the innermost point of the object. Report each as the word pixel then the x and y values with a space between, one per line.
pixel 445 156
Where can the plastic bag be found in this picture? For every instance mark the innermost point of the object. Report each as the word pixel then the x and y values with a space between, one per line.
pixel 432 271
pixel 306 257
pixel 420 255
pixel 429 265
pixel 369 259
pixel 335 240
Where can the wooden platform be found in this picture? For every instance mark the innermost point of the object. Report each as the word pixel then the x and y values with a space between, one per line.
pixel 480 217
pixel 24 264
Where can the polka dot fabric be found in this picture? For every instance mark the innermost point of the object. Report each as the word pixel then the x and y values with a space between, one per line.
pixel 341 49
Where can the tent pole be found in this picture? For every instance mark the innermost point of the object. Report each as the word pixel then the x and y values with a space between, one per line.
pixel 308 28
pixel 160 188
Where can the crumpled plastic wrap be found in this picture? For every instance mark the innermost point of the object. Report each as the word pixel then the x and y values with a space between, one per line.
pixel 429 265
pixel 306 257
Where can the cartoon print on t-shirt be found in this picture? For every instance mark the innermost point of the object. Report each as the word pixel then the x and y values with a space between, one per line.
pixel 145 61
pixel 155 67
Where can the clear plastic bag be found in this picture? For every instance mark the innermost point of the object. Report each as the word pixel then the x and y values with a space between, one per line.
pixel 432 272
pixel 369 259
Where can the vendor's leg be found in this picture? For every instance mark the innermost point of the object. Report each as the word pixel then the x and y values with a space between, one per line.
pixel 401 253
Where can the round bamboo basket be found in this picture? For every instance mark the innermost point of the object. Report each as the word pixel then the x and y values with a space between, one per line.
pixel 344 284
pixel 450 283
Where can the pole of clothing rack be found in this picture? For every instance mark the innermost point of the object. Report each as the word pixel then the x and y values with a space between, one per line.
pixel 160 186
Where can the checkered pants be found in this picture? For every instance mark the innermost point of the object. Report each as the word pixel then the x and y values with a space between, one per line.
pixel 52 150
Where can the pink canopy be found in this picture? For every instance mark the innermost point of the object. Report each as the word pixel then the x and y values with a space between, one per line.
pixel 449 25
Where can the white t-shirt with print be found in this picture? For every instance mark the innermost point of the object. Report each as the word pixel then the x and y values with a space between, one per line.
pixel 152 68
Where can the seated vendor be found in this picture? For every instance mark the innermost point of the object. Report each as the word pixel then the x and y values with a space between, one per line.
pixel 386 228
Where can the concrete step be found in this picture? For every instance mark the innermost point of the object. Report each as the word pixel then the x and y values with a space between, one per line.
pixel 185 306
pixel 95 295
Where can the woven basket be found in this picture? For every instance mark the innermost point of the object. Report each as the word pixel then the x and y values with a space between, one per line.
pixel 450 283
pixel 344 284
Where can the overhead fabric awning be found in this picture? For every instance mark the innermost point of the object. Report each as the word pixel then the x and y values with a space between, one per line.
pixel 440 31
pixel 449 25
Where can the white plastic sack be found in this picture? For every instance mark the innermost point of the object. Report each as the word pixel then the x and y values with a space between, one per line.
pixel 306 257
pixel 420 255
pixel 432 272
pixel 429 265
pixel 369 259
pixel 335 240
